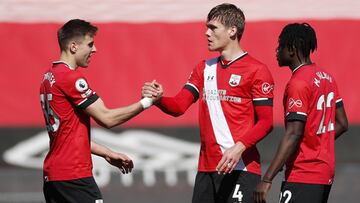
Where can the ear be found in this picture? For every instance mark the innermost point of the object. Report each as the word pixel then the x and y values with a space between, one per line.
pixel 232 32
pixel 73 47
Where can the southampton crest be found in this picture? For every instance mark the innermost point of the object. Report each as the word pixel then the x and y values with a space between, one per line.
pixel 234 80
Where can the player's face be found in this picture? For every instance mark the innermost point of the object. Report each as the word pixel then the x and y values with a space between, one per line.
pixel 282 56
pixel 85 49
pixel 218 35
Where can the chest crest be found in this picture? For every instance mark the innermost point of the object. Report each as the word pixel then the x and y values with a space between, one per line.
pixel 234 80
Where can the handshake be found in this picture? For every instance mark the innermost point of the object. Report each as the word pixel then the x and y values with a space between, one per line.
pixel 151 93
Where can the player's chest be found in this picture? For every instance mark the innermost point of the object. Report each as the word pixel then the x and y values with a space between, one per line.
pixel 232 81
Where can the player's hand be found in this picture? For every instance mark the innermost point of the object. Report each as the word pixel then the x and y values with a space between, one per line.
pixel 121 161
pixel 159 90
pixel 230 158
pixel 153 90
pixel 261 191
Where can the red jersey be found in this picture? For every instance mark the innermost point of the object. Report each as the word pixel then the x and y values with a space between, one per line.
pixel 311 96
pixel 227 95
pixel 64 93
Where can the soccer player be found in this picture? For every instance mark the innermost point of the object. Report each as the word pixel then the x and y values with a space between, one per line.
pixel 68 102
pixel 235 93
pixel 314 118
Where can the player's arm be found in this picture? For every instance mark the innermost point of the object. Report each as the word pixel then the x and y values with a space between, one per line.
pixel 341 124
pixel 288 144
pixel 109 118
pixel 263 126
pixel 177 105
pixel 121 161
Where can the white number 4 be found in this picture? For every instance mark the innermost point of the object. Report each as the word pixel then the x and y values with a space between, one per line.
pixel 237 193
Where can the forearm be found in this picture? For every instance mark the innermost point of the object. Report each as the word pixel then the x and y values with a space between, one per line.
pixel 121 115
pixel 263 126
pixel 288 145
pixel 99 150
pixel 111 117
pixel 176 106
pixel 286 148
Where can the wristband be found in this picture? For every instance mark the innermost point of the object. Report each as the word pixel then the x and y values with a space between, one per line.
pixel 266 181
pixel 146 102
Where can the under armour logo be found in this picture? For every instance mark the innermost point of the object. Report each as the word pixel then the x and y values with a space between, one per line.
pixel 293 102
pixel 210 77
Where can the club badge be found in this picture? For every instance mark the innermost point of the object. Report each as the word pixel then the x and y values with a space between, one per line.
pixel 234 80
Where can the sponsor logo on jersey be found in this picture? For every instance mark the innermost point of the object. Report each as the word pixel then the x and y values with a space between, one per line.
pixel 292 102
pixel 219 95
pixel 81 85
pixel 87 93
pixel 234 80
pixel 266 88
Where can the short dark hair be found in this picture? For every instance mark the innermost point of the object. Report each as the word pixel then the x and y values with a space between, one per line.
pixel 229 15
pixel 73 29
pixel 299 35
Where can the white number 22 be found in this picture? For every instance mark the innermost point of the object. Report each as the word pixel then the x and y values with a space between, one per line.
pixel 323 104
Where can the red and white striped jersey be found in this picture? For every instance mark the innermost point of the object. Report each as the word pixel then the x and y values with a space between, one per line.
pixel 64 93
pixel 227 95
pixel 312 96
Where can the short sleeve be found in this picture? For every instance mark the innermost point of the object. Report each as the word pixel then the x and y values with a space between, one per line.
pixel 77 89
pixel 338 98
pixel 195 81
pixel 297 100
pixel 263 87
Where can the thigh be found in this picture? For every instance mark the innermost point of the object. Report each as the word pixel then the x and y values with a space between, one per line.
pixel 72 191
pixel 237 187
pixel 302 192
pixel 204 190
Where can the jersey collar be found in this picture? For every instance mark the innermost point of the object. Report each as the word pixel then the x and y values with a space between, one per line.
pixel 63 62
pixel 223 65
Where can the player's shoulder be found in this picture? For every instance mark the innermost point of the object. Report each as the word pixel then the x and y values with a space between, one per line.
pixel 297 83
pixel 254 62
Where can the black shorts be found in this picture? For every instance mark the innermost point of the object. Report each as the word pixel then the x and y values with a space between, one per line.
pixel 302 192
pixel 84 190
pixel 236 187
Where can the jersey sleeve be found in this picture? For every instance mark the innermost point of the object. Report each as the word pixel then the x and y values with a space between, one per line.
pixel 263 87
pixel 338 98
pixel 77 90
pixel 297 100
pixel 196 80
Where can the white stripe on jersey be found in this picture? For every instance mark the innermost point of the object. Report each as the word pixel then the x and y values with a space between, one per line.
pixel 192 86
pixel 301 113
pixel 220 126
pixel 339 100
pixel 82 102
pixel 260 99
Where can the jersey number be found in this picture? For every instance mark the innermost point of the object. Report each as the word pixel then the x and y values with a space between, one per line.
pixel 322 105
pixel 287 195
pixel 237 193
pixel 51 119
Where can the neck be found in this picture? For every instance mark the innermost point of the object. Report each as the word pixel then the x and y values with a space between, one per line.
pixel 68 59
pixel 232 53
pixel 299 65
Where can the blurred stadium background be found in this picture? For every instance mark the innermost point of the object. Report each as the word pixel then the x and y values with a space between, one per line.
pixel 143 40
